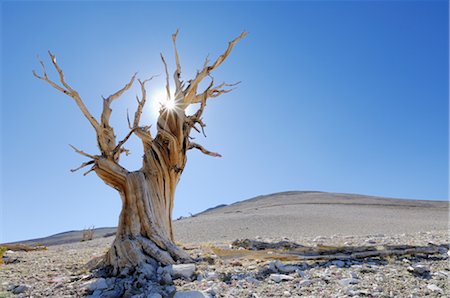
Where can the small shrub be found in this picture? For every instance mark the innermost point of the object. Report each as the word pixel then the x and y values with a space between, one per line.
pixel 2 251
pixel 88 234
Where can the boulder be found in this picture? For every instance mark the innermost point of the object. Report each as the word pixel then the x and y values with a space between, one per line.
pixel 182 270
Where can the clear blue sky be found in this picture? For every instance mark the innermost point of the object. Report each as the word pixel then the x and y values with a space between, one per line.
pixel 335 96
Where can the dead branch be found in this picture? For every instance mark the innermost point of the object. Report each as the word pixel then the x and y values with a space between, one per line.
pixel 66 89
pixel 286 250
pixel 106 113
pixel 203 150
pixel 191 90
pixel 167 76
pixel 84 164
pixel 177 73
pixel 82 153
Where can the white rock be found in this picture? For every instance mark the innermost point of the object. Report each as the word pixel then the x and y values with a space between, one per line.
pixel 280 277
pixel 96 284
pixel 435 288
pixel 278 266
pixel 190 294
pixel 287 294
pixel 182 270
pixel 305 283
pixel 319 238
pixel 212 275
pixel 348 281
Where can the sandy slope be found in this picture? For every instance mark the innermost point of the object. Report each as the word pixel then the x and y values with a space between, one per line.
pixel 299 214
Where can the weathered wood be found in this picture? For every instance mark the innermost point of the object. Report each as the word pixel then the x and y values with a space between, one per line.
pixel 145 235
pixel 291 251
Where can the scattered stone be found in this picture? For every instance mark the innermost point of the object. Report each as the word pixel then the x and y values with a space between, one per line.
pixel 95 284
pixel 19 289
pixel 212 275
pixel 190 294
pixel 278 266
pixel 280 277
pixel 10 260
pixel 419 270
pixel 182 270
pixel 435 288
pixel 348 281
pixel 305 283
pixel 338 263
pixel 59 272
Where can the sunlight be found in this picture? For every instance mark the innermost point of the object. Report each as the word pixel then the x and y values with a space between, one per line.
pixel 158 99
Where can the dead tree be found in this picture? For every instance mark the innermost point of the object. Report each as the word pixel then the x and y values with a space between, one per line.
pixel 145 235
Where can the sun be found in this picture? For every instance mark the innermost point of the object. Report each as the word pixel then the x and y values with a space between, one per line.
pixel 158 100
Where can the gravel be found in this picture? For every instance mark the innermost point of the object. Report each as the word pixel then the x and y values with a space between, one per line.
pixel 60 272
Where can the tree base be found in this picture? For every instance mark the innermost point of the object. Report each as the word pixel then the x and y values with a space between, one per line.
pixel 129 255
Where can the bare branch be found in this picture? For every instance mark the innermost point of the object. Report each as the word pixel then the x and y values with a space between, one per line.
pixel 141 103
pixel 121 143
pixel 203 150
pixel 91 170
pixel 167 76
pixel 82 153
pixel 106 113
pixel 121 91
pixel 177 73
pixel 84 164
pixel 192 88
pixel 66 89
pixel 222 57
pixel 212 92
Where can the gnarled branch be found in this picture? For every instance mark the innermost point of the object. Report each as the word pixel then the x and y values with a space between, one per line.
pixel 190 93
pixel 106 113
pixel 66 89
pixel 177 73
pixel 193 145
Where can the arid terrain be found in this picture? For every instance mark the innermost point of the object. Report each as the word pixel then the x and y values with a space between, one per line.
pixel 299 244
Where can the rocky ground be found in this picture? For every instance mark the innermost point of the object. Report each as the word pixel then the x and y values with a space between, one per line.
pixel 60 271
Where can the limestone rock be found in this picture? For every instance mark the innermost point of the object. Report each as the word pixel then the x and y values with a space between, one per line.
pixel 280 277
pixel 182 270
pixel 190 294
pixel 96 284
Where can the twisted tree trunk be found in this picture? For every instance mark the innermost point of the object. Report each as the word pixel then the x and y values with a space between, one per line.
pixel 144 236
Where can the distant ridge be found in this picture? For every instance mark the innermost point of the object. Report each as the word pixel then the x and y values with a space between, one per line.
pixel 295 214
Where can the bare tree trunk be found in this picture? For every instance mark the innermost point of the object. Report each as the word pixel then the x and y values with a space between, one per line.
pixel 144 236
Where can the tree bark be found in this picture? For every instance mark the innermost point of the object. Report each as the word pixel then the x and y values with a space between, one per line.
pixel 144 236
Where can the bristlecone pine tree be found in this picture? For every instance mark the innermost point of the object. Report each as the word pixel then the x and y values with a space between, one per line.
pixel 144 235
